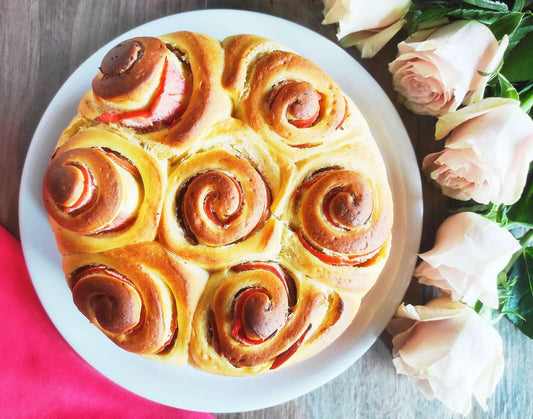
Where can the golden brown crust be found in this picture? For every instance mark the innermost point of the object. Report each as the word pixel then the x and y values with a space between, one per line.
pixel 287 99
pixel 340 217
pixel 208 103
pixel 140 296
pixel 128 68
pixel 220 200
pixel 298 316
pixel 120 210
pixel 194 101
pixel 338 212
pixel 239 52
pixel 245 160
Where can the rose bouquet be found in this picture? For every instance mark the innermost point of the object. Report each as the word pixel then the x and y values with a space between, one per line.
pixel 470 64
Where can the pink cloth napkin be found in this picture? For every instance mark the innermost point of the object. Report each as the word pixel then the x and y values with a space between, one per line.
pixel 40 374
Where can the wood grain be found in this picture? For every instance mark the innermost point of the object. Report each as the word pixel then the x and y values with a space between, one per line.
pixel 44 41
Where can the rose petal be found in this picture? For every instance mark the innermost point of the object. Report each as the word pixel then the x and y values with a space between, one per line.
pixel 447 123
pixel 334 11
pixel 441 54
pixel 489 65
pixel 491 146
pixel 360 17
pixel 469 252
pixel 451 357
pixel 369 43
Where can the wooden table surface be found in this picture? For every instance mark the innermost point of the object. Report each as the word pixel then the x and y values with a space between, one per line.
pixel 44 41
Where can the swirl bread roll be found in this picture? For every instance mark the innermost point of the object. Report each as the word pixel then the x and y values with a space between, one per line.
pixel 340 218
pixel 140 296
pixel 286 98
pixel 258 316
pixel 165 91
pixel 101 191
pixel 221 198
pixel 221 204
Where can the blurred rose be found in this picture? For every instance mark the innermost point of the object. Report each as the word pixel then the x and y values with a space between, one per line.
pixel 487 156
pixel 368 27
pixel 450 352
pixel 469 252
pixel 438 69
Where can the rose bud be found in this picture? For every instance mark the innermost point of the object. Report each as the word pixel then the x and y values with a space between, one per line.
pixel 487 156
pixel 469 252
pixel 438 69
pixel 368 28
pixel 449 352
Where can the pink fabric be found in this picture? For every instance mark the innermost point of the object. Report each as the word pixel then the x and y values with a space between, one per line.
pixel 40 374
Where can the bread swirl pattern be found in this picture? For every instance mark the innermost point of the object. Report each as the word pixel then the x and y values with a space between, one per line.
pixel 286 98
pixel 220 200
pixel 254 316
pixel 341 217
pixel 164 91
pixel 102 191
pixel 218 203
pixel 140 296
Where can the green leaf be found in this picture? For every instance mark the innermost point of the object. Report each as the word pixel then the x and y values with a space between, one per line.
pixel 506 25
pixel 478 306
pixel 488 4
pixel 518 65
pixel 483 16
pixel 518 5
pixel 521 212
pixel 525 28
pixel 426 17
pixel 503 88
pixel 521 299
pixel 430 15
pixel 526 97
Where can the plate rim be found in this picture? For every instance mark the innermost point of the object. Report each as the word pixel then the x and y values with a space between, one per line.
pixel 412 186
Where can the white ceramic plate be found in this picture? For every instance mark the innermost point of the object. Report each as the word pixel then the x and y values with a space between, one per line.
pixel 184 386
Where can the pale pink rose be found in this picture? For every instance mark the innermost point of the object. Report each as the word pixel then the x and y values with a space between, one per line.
pixel 449 352
pixel 469 252
pixel 438 69
pixel 368 28
pixel 487 156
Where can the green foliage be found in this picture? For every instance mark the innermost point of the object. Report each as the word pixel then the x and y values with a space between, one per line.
pixel 526 96
pixel 518 65
pixel 521 212
pixel 519 305
pixel 521 31
pixel 506 25
pixel 516 22
pixel 488 4
pixel 501 87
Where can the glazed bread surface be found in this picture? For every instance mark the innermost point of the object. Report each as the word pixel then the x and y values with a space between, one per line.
pixel 221 204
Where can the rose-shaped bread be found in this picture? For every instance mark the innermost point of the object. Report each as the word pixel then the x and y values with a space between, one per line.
pixel 102 191
pixel 286 98
pixel 219 203
pixel 450 352
pixel 140 296
pixel 167 89
pixel 436 70
pixel 340 217
pixel 469 253
pixel 223 174
pixel 259 315
pixel 486 158
pixel 368 28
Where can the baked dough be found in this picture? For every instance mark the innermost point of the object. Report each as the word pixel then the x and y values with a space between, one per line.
pixel 140 296
pixel 218 203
